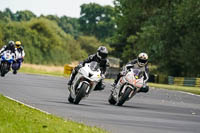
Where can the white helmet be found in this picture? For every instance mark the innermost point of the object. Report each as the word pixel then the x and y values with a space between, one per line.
pixel 102 52
pixel 142 59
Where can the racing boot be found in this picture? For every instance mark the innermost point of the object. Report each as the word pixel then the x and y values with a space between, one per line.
pixel 100 86
pixel 114 85
pixel 114 92
pixel 72 78
pixel 116 80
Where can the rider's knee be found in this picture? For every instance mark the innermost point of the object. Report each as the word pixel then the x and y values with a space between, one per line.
pixel 144 89
pixel 100 86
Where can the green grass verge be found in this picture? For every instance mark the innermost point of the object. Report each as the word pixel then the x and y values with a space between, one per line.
pixel 17 118
pixel 194 90
pixel 30 70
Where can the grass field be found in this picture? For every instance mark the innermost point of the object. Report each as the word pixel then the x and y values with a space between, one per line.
pixel 42 69
pixel 17 118
pixel 194 90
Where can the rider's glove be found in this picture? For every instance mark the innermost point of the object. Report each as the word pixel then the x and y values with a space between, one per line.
pixel 102 76
pixel 123 73
pixel 80 65
pixel 144 85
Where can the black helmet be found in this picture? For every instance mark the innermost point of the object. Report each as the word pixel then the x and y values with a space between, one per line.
pixel 102 52
pixel 11 44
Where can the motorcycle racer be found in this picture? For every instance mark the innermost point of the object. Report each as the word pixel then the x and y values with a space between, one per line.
pixel 10 46
pixel 19 52
pixel 142 63
pixel 101 58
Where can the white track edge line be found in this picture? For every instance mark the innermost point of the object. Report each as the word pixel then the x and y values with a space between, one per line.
pixel 27 105
pixel 189 93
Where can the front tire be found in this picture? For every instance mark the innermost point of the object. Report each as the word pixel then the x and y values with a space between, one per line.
pixel 124 96
pixel 81 93
pixel 4 69
pixel 2 74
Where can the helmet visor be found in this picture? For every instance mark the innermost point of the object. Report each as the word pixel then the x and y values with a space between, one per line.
pixel 103 55
pixel 142 61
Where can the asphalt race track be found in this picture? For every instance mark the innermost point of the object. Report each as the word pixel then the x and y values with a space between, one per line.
pixel 158 111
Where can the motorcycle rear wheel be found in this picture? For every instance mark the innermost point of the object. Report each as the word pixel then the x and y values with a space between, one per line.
pixel 124 96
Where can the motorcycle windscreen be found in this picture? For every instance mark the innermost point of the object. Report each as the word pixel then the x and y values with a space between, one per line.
pixel 94 66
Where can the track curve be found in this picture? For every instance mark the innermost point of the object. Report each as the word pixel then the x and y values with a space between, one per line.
pixel 155 112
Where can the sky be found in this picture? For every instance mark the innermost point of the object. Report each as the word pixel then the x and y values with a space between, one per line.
pixel 70 8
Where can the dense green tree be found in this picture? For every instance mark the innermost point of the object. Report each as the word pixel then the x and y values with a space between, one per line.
pixel 6 15
pixel 1 34
pixel 90 44
pixel 167 30
pixel 24 15
pixel 44 41
pixel 68 24
pixel 47 39
pixel 97 20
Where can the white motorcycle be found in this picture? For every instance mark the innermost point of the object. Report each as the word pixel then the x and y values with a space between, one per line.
pixel 127 87
pixel 85 81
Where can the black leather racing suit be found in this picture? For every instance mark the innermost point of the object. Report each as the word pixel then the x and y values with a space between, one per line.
pixel 17 63
pixel 7 47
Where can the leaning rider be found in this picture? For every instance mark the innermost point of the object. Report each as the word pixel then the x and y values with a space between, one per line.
pixel 142 63
pixel 101 58
pixel 10 46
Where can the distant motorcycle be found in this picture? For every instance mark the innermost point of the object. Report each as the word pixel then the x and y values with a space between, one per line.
pixel 85 82
pixel 7 58
pixel 17 63
pixel 127 87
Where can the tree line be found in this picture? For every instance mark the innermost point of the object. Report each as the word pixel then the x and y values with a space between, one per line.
pixel 47 39
pixel 167 30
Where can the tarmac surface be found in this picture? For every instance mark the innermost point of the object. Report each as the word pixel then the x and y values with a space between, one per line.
pixel 158 111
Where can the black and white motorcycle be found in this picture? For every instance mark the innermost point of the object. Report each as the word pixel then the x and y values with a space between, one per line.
pixel 6 60
pixel 85 81
pixel 127 86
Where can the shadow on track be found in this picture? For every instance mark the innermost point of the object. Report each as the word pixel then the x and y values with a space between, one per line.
pixel 66 102
pixel 162 108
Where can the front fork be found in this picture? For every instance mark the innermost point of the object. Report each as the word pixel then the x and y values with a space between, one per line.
pixel 74 88
pixel 121 91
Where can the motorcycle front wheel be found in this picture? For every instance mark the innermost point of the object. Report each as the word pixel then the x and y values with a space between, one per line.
pixel 124 96
pixel 81 93
pixel 4 68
